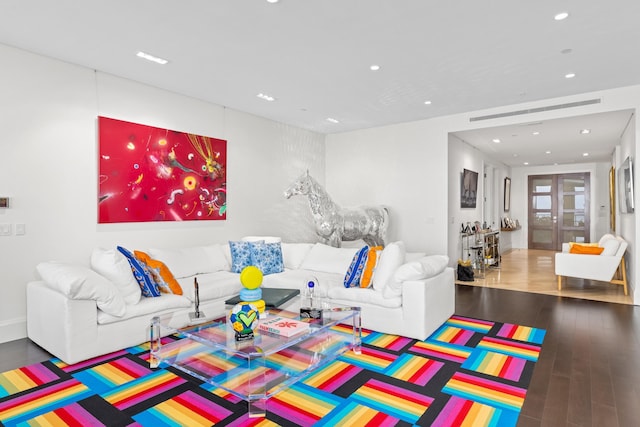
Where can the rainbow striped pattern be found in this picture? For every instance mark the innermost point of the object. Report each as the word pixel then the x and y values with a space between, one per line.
pixel 469 372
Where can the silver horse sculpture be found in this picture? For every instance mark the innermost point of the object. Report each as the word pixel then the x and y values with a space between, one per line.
pixel 335 224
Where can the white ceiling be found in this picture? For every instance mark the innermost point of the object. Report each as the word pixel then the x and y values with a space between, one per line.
pixel 314 56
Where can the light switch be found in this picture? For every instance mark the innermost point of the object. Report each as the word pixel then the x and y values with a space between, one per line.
pixel 20 229
pixel 5 229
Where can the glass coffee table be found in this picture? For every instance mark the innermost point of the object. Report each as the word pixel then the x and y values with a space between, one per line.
pixel 257 369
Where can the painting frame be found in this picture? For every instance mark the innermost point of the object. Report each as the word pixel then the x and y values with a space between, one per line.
pixel 151 174
pixel 625 186
pixel 507 194
pixel 612 198
pixel 468 189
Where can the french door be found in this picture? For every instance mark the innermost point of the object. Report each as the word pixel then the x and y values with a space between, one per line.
pixel 559 210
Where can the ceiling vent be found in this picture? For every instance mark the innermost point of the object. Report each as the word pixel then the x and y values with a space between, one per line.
pixel 536 110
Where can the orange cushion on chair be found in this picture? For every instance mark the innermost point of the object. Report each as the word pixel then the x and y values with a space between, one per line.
pixel 585 249
pixel 161 273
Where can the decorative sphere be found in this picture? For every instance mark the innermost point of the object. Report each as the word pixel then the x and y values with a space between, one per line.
pixel 251 277
pixel 244 317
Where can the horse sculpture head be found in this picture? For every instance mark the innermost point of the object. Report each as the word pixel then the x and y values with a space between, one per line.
pixel 301 186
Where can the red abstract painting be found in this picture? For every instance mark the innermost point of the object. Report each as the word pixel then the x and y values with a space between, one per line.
pixel 152 174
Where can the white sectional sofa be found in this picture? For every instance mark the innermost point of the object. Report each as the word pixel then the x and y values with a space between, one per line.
pixel 77 312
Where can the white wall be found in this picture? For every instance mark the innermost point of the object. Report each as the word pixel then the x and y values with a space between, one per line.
pixel 48 167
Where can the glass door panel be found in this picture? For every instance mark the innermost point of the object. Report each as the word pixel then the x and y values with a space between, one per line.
pixel 558 210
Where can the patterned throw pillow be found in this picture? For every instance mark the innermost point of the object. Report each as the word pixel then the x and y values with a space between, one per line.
pixel 267 257
pixel 240 255
pixel 370 266
pixel 354 272
pixel 140 271
pixel 163 277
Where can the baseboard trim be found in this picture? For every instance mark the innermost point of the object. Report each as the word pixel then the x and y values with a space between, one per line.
pixel 13 329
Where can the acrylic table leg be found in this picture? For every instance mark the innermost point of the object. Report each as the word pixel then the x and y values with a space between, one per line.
pixel 154 342
pixel 258 408
pixel 257 400
pixel 357 331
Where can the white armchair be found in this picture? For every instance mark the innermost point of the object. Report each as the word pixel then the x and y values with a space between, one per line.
pixel 609 266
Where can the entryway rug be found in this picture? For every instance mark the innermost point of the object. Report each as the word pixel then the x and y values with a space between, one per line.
pixel 469 372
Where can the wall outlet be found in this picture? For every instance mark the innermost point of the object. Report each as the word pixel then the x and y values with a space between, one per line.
pixel 20 229
pixel 5 229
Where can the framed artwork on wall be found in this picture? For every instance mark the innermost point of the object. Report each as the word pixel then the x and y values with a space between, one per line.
pixel 468 189
pixel 507 194
pixel 612 199
pixel 625 184
pixel 152 174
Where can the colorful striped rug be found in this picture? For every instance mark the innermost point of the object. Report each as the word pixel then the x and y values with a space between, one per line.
pixel 469 372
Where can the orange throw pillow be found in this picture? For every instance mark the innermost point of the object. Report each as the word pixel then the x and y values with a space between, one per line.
pixel 585 249
pixel 161 274
pixel 370 266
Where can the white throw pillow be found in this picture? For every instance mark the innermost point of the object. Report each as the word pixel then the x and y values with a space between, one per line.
pixel 293 254
pixel 605 238
pixel 391 258
pixel 610 247
pixel 111 264
pixel 80 283
pixel 423 268
pixel 186 262
pixel 266 239
pixel 328 259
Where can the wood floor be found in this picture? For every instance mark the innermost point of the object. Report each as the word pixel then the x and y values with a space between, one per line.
pixel 533 271
pixel 588 372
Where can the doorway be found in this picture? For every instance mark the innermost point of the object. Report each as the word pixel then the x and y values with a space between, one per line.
pixel 559 210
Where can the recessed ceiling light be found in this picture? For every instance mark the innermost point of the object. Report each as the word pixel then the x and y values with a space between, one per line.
pixel 585 131
pixel 427 102
pixel 266 97
pixel 561 16
pixel 374 67
pixel 496 140
pixel 547 152
pixel 585 154
pixel 273 1
pixel 535 133
pixel 152 58
pixel 566 51
pixel 515 155
pixel 569 75
pixel 525 163
pixel 332 120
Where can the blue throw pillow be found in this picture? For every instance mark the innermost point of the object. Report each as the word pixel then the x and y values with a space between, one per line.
pixel 240 255
pixel 267 257
pixel 352 278
pixel 143 276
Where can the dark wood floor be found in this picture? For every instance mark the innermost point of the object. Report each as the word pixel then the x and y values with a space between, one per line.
pixel 588 373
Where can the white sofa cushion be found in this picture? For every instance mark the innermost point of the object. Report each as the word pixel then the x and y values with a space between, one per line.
pixel 185 262
pixel 111 264
pixel 147 306
pixel 80 283
pixel 423 268
pixel 328 259
pixel 293 254
pixel 610 247
pixel 364 296
pixel 391 258
pixel 266 239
